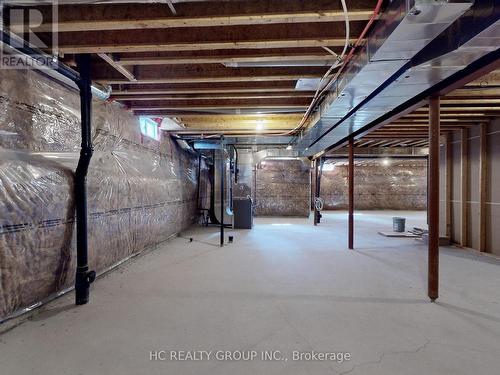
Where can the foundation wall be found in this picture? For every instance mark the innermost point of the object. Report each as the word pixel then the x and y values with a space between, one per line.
pixel 400 185
pixel 140 191
pixel 282 188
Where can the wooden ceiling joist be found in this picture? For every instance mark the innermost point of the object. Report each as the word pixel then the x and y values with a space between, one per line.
pixel 232 67
pixel 446 115
pixel 209 21
pixel 156 9
pixel 147 75
pixel 209 38
pixel 263 95
pixel 461 109
pixel 290 56
pixel 197 46
pixel 206 88
pixel 402 120
pixel 228 78
pixel 469 100
pixel 297 107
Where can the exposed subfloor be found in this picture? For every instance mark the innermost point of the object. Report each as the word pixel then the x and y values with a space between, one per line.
pixel 285 285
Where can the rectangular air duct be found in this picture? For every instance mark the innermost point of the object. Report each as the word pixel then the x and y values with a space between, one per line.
pixel 403 30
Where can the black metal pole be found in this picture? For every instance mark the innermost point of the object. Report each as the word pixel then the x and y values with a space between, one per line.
pixel 316 174
pixel 222 170
pixel 83 277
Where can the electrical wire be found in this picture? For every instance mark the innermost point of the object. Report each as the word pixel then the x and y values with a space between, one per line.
pixel 341 63
pixel 330 51
pixel 326 75
pixel 372 19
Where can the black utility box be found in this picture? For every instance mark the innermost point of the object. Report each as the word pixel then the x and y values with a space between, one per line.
pixel 242 209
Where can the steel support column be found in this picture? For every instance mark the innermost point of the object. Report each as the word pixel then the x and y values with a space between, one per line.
pixel 433 199
pixel 222 172
pixel 316 189
pixel 84 277
pixel 351 193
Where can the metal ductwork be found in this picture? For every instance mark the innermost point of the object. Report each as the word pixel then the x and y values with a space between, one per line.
pixel 13 45
pixel 274 153
pixel 248 141
pixel 399 61
pixel 223 161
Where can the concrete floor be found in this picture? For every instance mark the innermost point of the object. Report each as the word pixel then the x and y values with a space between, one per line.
pixel 285 285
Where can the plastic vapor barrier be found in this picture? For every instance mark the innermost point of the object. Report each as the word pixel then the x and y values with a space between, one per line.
pixel 390 184
pixel 139 193
pixel 283 188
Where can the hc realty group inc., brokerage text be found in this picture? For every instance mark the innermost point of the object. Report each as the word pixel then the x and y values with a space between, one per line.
pixel 247 355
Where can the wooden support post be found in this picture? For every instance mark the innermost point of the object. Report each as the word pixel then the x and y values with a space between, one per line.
pixel 464 175
pixel 449 184
pixel 433 199
pixel 351 193
pixel 483 189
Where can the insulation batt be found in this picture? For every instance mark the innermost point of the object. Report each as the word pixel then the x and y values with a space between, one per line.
pixel 402 185
pixel 283 188
pixel 139 194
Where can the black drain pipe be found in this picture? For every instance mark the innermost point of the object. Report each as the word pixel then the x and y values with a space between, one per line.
pixel 84 277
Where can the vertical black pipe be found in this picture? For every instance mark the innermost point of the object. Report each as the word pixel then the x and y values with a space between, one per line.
pixel 222 170
pixel 83 277
pixel 316 175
